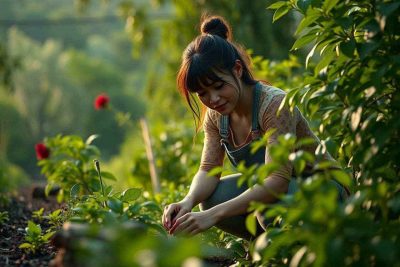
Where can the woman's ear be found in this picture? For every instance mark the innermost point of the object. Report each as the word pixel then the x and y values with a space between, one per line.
pixel 238 69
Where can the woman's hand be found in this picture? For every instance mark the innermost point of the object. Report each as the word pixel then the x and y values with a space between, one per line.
pixel 174 211
pixel 193 223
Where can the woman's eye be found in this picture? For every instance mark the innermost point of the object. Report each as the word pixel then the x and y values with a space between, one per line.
pixel 219 86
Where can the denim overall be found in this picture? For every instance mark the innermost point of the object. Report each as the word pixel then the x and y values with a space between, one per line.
pixel 227 187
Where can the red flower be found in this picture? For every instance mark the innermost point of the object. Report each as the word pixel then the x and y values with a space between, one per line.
pixel 101 101
pixel 42 152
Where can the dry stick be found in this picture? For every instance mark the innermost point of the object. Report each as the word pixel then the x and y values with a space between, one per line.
pixel 150 156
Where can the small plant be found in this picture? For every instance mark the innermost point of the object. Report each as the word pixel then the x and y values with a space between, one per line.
pixel 38 214
pixel 55 219
pixel 34 238
pixel 3 217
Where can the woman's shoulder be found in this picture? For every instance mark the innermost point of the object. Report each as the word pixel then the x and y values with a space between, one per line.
pixel 267 94
pixel 212 118
pixel 269 90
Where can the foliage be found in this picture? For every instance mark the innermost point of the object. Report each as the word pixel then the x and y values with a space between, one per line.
pixel 131 244
pixel 281 74
pixel 8 65
pixel 55 219
pixel 70 163
pixel 34 238
pixel 117 214
pixel 351 94
pixel 3 217
pixel 11 177
pixel 38 214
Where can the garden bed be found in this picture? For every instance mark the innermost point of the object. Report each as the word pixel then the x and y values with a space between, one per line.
pixel 12 232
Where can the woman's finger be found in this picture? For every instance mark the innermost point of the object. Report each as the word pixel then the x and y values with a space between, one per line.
pixel 195 231
pixel 188 229
pixel 180 213
pixel 170 210
pixel 178 222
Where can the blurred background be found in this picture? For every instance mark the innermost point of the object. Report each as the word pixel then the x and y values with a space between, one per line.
pixel 57 56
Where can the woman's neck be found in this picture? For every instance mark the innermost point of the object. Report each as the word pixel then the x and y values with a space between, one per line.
pixel 245 103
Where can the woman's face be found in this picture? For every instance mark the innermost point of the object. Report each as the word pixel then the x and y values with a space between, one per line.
pixel 222 96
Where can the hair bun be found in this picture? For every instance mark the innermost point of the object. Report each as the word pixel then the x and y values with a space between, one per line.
pixel 216 25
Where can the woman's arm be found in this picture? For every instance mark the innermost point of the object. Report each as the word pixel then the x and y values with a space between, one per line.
pixel 195 222
pixel 265 193
pixel 201 188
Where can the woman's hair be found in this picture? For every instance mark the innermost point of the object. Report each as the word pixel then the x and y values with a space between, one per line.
pixel 211 52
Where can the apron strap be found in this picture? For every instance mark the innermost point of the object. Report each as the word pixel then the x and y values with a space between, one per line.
pixel 255 127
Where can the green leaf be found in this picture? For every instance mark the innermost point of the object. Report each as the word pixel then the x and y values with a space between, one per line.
pixel 108 191
pixel 299 165
pixel 251 224
pixel 303 5
pixel 150 205
pixel 280 12
pixel 348 47
pixel 131 194
pixel 305 39
pixel 329 4
pixel 75 189
pixel 263 141
pixel 56 213
pixel 134 208
pixel 310 54
pixel 47 189
pixel 108 175
pixel 326 59
pixel 310 18
pixel 215 171
pixel 367 48
pixel 48 235
pixel 115 205
pixel 388 8
pixel 25 245
pixel 91 138
pixel 33 229
pixel 342 177
pixel 277 5
pixel 305 141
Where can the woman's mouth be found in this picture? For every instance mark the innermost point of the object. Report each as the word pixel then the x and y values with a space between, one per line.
pixel 220 107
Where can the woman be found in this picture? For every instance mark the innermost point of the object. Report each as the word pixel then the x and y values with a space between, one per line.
pixel 239 110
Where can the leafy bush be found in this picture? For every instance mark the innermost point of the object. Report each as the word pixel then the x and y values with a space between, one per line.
pixel 350 94
pixel 71 163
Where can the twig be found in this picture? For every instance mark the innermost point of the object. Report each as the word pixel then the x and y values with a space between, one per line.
pixel 150 156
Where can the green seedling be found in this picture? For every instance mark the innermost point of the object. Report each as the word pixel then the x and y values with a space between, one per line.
pixel 38 214
pixel 3 217
pixel 55 219
pixel 34 238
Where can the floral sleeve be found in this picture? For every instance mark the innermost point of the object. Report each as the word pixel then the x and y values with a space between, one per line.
pixel 213 153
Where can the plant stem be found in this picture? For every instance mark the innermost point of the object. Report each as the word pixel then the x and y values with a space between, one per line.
pixel 97 165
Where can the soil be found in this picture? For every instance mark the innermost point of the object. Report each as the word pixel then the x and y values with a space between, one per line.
pixel 12 232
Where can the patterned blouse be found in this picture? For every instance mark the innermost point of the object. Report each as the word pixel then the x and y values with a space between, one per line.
pixel 287 122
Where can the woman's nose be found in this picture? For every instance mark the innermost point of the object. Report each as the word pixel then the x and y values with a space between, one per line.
pixel 214 98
